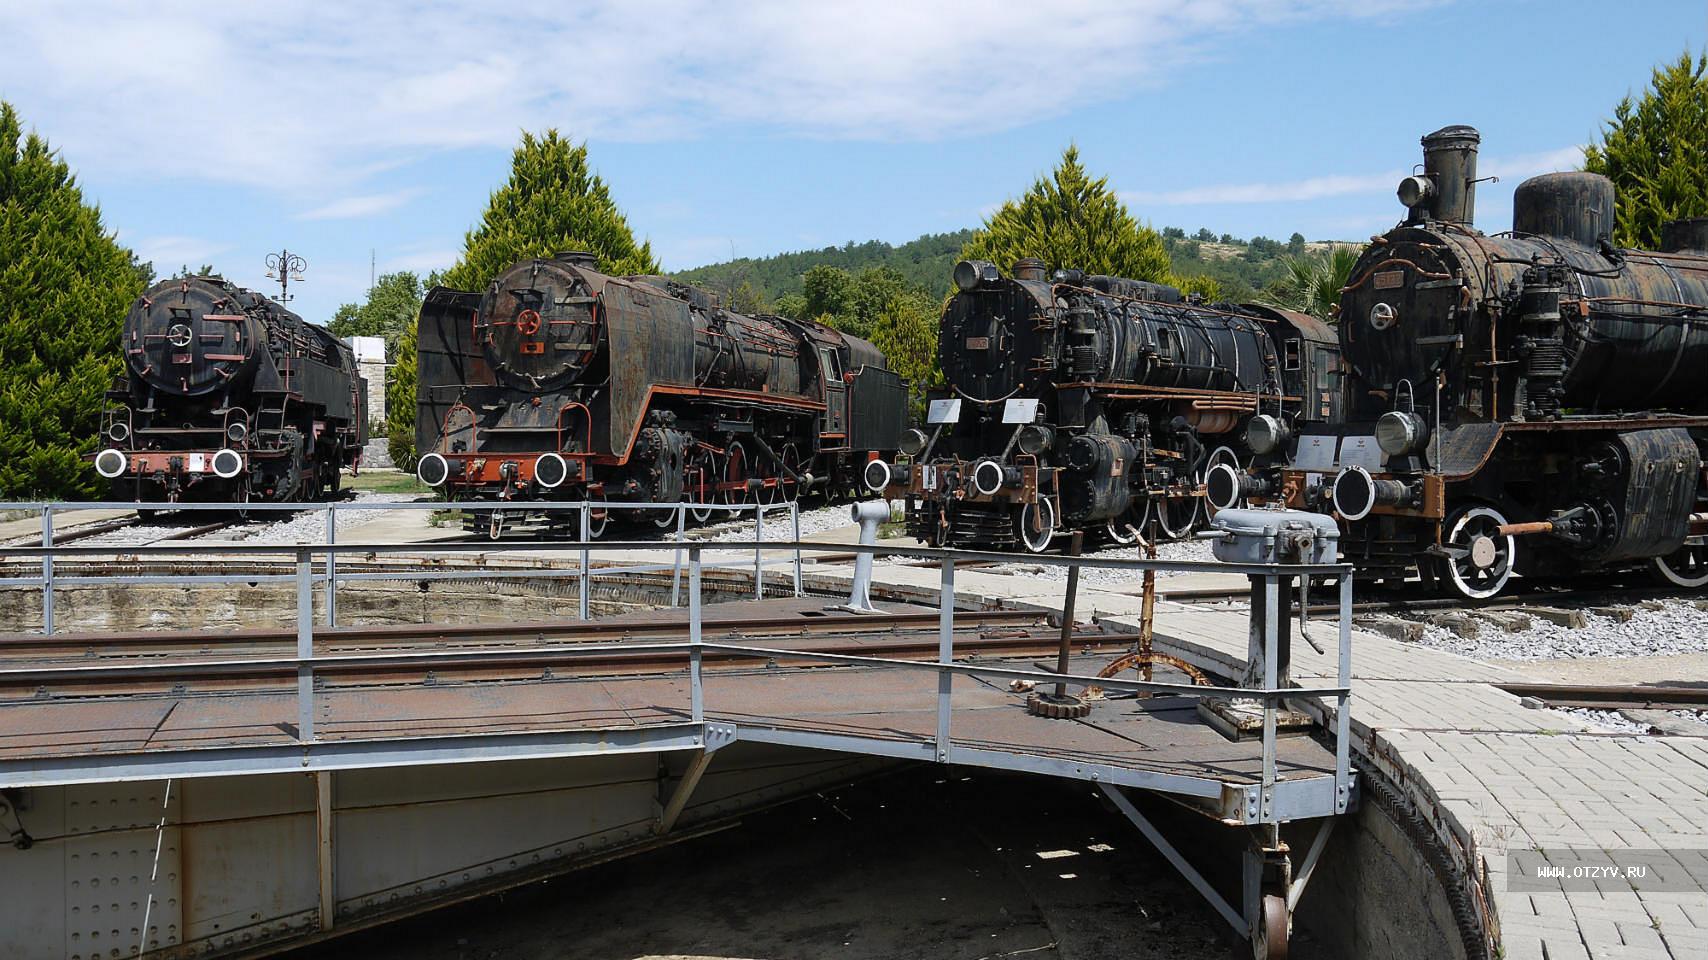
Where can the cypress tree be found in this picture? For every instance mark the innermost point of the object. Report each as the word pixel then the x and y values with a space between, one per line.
pixel 552 202
pixel 1072 220
pixel 1655 150
pixel 65 284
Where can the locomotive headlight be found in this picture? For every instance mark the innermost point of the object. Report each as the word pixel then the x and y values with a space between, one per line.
pixel 227 463
pixel 988 477
pixel 1400 433
pixel 550 470
pixel 110 463
pixel 118 431
pixel 970 273
pixel 913 441
pixel 877 475
pixel 1415 190
pixel 237 431
pixel 1034 439
pixel 1265 434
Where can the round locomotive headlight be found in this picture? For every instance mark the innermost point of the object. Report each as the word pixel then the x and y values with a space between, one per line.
pixel 913 441
pixel 1354 493
pixel 110 463
pixel 433 469
pixel 236 431
pixel 988 477
pixel 1415 190
pixel 227 463
pixel 118 431
pixel 1034 439
pixel 1222 486
pixel 551 470
pixel 877 475
pixel 1400 432
pixel 970 273
pixel 1265 434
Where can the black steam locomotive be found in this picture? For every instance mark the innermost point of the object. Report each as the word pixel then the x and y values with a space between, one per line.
pixel 1094 403
pixel 1533 402
pixel 560 382
pixel 228 396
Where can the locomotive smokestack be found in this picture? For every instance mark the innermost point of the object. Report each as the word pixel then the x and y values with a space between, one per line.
pixel 1029 268
pixel 1447 190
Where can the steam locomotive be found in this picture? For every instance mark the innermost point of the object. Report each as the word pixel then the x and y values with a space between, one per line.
pixel 1094 403
pixel 228 396
pixel 561 382
pixel 1531 403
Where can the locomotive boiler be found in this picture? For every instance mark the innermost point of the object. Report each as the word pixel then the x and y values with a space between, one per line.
pixel 561 382
pixel 228 396
pixel 1532 402
pixel 1095 403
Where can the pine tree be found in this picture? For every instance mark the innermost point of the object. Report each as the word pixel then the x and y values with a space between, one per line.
pixel 552 202
pixel 65 285
pixel 1655 150
pixel 1071 221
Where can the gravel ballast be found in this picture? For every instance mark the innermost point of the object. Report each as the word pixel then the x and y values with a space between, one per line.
pixel 1677 626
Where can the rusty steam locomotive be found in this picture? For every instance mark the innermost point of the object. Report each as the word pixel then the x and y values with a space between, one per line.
pixel 1533 402
pixel 228 396
pixel 561 382
pixel 1095 403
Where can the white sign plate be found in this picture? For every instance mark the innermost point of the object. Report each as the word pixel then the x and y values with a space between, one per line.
pixel 198 463
pixel 928 477
pixel 1361 452
pixel 1315 453
pixel 1019 411
pixel 944 411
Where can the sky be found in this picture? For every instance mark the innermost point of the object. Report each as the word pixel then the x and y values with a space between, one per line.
pixel 369 135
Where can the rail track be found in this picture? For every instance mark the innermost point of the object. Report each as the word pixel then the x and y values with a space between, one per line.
pixel 1613 697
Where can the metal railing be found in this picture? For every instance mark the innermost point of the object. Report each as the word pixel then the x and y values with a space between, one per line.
pixel 330 576
pixel 306 661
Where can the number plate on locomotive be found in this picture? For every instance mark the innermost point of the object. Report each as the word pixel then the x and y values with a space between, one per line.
pixel 198 463
pixel 928 477
pixel 1390 280
pixel 978 343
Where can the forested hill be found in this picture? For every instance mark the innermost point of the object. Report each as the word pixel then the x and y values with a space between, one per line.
pixel 925 263
pixel 1241 267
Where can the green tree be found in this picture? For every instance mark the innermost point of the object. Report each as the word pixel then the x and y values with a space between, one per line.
pixel 553 201
pixel 906 331
pixel 1313 282
pixel 1071 220
pixel 1655 150
pixel 389 311
pixel 65 285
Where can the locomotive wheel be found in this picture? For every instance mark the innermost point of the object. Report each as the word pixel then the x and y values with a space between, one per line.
pixel 737 469
pixel 703 471
pixel 1130 525
pixel 1036 541
pixel 597 521
pixel 792 460
pixel 1176 517
pixel 1219 455
pixel 1479 560
pixel 1687 567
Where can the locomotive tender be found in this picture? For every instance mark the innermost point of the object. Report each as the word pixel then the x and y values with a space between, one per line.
pixel 1094 403
pixel 561 382
pixel 228 396
pixel 1533 402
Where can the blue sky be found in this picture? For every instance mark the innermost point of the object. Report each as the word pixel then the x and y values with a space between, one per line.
pixel 216 132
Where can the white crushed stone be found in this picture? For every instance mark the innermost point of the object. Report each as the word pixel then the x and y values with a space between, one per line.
pixel 1677 627
pixel 1179 550
pixel 814 520
pixel 1606 721
pixel 1695 716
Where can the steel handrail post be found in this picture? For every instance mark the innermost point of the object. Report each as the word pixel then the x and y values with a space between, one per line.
pixel 795 525
pixel 582 605
pixel 758 551
pixel 305 644
pixel 331 566
pixel 676 564
pixel 47 569
pixel 1272 614
pixel 696 693
pixel 945 655
pixel 1343 709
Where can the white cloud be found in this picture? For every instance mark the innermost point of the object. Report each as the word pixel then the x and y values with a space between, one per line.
pixel 1316 188
pixel 355 208
pixel 168 253
pixel 329 94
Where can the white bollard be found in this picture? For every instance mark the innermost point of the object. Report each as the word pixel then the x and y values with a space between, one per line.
pixel 868 515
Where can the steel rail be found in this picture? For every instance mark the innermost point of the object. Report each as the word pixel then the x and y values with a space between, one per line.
pixel 1612 696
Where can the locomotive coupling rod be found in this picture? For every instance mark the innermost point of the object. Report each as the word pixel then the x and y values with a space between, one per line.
pixel 1525 529
pixel 1067 612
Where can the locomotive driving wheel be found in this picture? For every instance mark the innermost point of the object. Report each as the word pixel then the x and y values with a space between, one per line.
pixel 1035 524
pixel 791 489
pixel 1479 558
pixel 701 485
pixel 1129 526
pixel 1686 567
pixel 1176 516
pixel 738 467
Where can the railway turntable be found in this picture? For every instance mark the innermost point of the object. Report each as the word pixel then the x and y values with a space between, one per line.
pixel 182 792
